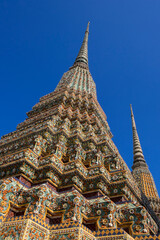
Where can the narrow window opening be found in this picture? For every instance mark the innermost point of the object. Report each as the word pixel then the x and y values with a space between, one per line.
pixel 15 212
pixel 53 219
pixel 92 225
pixel 119 199
pixel 126 229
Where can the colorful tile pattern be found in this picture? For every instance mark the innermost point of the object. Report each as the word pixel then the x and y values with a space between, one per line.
pixel 62 176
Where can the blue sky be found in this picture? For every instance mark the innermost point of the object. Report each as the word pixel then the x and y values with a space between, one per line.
pixel 40 40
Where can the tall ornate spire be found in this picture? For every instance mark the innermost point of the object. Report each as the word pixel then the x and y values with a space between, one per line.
pixel 83 52
pixel 140 168
pixel 62 176
pixel 137 149
pixel 79 78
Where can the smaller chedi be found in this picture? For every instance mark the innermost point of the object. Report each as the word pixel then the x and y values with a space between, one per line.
pixel 62 177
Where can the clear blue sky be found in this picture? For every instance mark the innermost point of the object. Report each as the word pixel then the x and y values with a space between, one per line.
pixel 39 40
